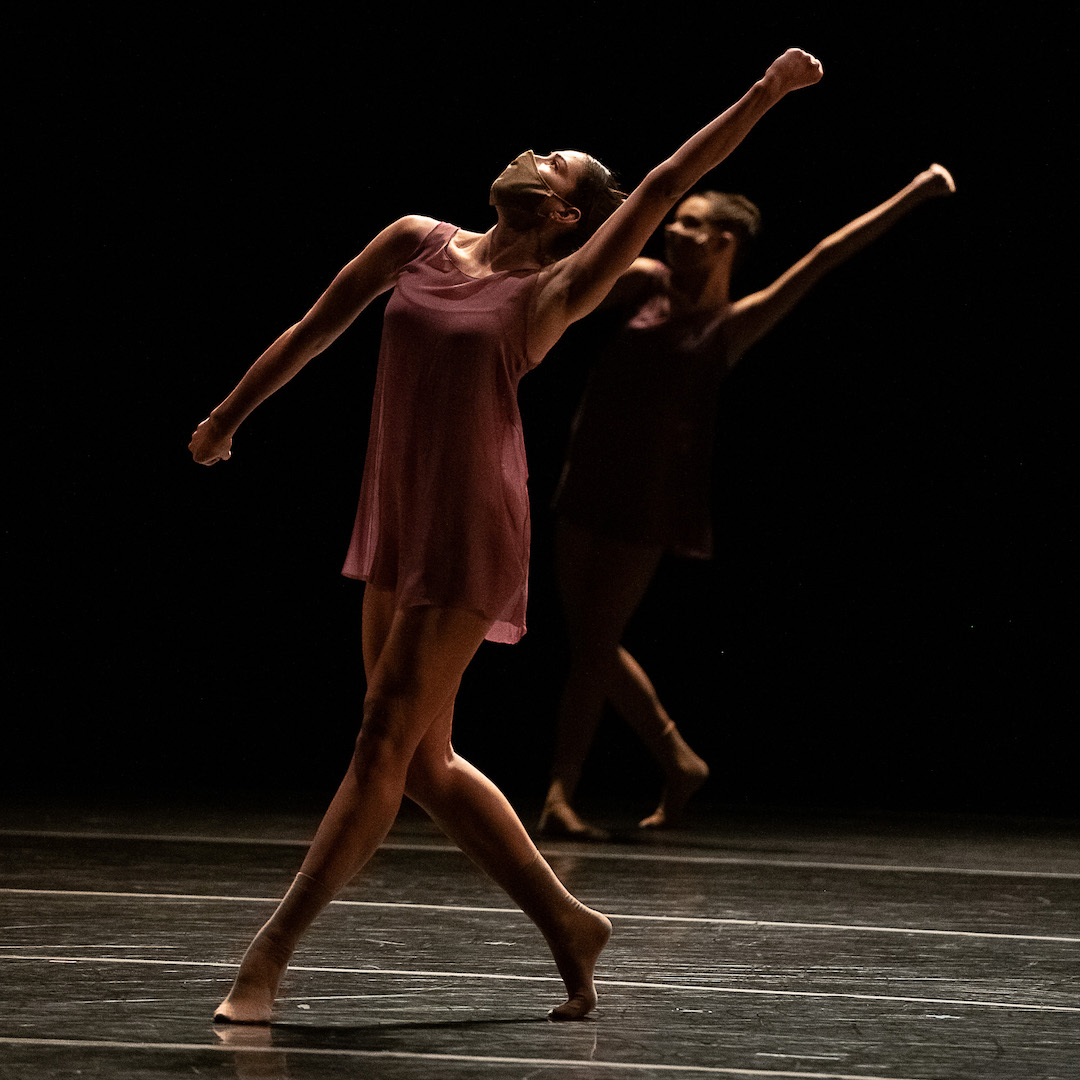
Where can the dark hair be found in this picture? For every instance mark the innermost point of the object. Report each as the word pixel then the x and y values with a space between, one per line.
pixel 736 213
pixel 597 196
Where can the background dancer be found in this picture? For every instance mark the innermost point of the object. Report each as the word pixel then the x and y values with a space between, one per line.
pixel 636 480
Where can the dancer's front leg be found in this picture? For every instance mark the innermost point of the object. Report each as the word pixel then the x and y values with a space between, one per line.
pixel 580 708
pixel 356 822
pixel 414 660
pixel 251 999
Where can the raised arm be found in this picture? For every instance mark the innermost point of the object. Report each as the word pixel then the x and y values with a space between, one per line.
pixel 754 316
pixel 578 283
pixel 372 272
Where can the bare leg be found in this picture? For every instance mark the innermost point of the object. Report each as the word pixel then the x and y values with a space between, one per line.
pixel 602 581
pixel 633 694
pixel 472 811
pixel 414 660
pixel 251 999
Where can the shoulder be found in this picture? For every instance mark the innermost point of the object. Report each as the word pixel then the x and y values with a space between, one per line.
pixel 399 244
pixel 643 279
pixel 415 225
pixel 379 265
pixel 648 269
pixel 407 234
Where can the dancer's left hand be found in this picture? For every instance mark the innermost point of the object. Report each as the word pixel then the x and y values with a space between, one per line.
pixel 208 445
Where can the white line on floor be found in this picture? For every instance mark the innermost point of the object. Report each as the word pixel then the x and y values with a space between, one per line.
pixel 623 984
pixel 693 920
pixel 578 851
pixel 446 1059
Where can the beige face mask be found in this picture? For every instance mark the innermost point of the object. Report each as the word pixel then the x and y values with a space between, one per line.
pixel 521 187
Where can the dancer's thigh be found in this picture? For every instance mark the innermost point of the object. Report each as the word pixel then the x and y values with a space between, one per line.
pixel 601 581
pixel 379 608
pixel 414 658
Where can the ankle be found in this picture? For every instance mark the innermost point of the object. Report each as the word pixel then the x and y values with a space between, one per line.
pixel 314 886
pixel 559 794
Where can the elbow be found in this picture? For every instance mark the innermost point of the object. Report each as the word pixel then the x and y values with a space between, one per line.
pixel 307 340
pixel 827 254
pixel 664 185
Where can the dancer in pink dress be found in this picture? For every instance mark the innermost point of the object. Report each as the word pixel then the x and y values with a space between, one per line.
pixel 442 532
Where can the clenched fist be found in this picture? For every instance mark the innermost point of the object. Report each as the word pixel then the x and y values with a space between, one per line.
pixel 208 445
pixel 794 70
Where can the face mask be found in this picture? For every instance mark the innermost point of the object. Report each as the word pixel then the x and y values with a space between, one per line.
pixel 521 187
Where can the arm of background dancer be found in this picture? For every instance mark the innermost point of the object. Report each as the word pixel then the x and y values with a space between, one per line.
pixel 579 282
pixel 372 272
pixel 754 316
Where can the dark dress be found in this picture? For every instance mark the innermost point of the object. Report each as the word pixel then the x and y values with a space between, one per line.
pixel 640 456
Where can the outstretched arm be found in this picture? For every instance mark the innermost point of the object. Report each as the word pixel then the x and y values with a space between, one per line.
pixel 754 316
pixel 372 272
pixel 578 283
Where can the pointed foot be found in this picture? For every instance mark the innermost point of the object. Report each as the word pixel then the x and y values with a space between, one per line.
pixel 576 1008
pixel 679 790
pixel 576 953
pixel 564 824
pixel 239 1012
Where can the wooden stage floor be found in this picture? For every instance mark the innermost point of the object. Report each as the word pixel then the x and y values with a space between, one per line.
pixel 748 945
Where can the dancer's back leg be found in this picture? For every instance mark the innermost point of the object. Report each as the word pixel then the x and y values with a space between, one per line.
pixel 472 811
pixel 602 580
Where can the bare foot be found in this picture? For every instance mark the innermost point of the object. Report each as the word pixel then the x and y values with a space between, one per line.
pixel 251 999
pixel 558 820
pixel 679 789
pixel 582 938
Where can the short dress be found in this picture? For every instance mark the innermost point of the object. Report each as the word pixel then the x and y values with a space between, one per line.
pixel 639 463
pixel 443 517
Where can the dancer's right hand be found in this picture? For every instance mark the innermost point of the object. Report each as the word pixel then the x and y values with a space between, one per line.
pixel 937 180
pixel 794 70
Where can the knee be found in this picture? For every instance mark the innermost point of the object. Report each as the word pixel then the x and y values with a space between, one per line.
pixel 594 661
pixel 429 775
pixel 384 739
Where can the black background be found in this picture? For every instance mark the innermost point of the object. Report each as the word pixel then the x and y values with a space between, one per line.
pixel 888 619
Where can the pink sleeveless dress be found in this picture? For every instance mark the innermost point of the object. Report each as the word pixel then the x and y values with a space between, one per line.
pixel 444 507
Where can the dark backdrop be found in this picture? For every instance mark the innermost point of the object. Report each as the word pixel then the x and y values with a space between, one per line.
pixel 887 621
